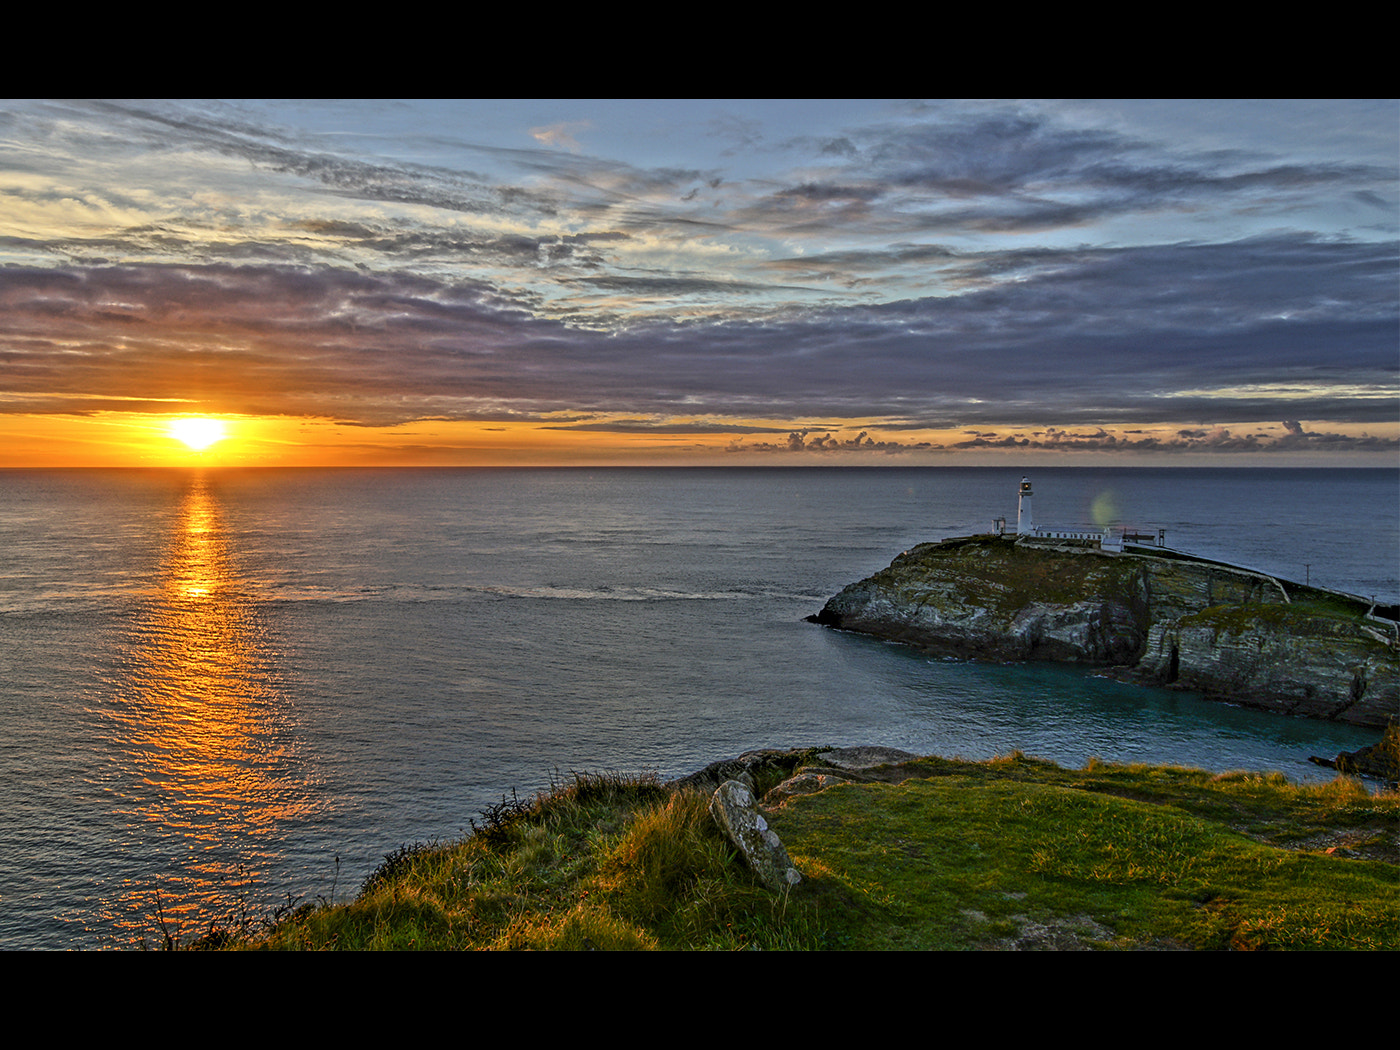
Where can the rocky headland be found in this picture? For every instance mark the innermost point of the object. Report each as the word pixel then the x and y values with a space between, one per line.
pixel 1154 615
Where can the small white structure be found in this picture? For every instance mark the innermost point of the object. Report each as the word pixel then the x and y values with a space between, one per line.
pixel 1024 525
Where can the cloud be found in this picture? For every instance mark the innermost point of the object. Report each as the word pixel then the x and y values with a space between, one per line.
pixel 1098 440
pixel 1036 274
pixel 1018 171
pixel 260 340
pixel 561 135
pixel 1243 332
pixel 830 443
pixel 651 426
pixel 873 208
pixel 1215 439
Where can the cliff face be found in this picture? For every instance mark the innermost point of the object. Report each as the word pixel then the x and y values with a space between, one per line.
pixel 1226 632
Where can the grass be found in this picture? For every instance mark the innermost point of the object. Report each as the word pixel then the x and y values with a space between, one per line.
pixel 1006 576
pixel 1154 857
pixel 605 862
pixel 936 854
pixel 1304 615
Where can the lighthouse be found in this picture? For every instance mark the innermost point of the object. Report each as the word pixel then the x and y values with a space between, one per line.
pixel 1024 525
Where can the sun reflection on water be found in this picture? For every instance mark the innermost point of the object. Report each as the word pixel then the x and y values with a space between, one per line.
pixel 204 739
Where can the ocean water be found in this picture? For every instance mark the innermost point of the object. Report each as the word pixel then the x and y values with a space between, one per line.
pixel 222 691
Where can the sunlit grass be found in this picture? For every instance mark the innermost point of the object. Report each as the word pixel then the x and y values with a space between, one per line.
pixel 605 863
pixel 1154 855
pixel 944 854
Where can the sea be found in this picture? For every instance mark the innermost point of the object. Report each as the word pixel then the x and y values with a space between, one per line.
pixel 224 692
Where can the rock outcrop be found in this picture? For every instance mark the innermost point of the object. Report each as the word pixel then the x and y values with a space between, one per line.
pixel 760 769
pixel 1380 760
pixel 735 810
pixel 1164 619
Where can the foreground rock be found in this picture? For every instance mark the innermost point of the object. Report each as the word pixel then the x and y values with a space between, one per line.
pixel 759 769
pixel 1227 632
pixel 783 775
pixel 775 775
pixel 734 809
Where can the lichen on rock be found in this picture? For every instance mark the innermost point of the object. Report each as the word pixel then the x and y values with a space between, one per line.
pixel 735 810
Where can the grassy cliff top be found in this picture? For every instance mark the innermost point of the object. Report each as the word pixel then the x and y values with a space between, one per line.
pixel 935 853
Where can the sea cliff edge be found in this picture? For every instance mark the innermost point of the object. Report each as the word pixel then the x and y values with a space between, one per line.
pixel 1155 616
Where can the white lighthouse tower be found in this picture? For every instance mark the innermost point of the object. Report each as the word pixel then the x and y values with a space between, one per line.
pixel 1024 525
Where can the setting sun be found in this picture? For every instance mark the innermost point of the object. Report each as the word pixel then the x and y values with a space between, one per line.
pixel 198 432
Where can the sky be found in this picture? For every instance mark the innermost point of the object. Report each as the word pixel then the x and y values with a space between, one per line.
pixel 708 282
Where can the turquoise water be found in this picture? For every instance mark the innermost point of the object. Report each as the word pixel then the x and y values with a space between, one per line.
pixel 222 689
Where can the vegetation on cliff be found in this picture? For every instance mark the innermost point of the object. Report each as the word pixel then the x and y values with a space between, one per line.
pixel 933 853
pixel 603 862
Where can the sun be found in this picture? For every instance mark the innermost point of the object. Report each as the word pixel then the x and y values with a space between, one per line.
pixel 198 432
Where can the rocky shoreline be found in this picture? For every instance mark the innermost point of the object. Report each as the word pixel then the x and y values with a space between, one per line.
pixel 1155 618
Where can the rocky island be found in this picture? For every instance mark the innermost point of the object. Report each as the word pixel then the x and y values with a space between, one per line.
pixel 1158 616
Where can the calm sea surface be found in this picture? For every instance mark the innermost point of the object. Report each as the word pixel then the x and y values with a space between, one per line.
pixel 222 689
